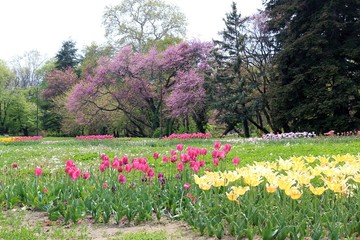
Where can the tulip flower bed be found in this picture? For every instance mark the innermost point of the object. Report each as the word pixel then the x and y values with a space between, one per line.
pixel 19 139
pixel 95 137
pixel 211 185
pixel 187 136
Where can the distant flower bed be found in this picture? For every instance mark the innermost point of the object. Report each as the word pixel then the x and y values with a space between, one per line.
pixel 289 135
pixel 19 139
pixel 95 137
pixel 186 136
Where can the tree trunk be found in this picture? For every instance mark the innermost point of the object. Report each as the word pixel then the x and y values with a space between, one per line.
pixel 246 128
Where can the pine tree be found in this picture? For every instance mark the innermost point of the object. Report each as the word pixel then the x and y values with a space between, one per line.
pixel 318 59
pixel 67 56
pixel 229 91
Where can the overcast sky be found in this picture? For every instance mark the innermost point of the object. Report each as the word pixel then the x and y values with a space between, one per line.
pixel 44 24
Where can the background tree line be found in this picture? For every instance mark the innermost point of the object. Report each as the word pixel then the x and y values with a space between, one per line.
pixel 292 67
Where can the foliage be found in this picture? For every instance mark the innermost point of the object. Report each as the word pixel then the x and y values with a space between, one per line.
pixel 27 68
pixel 136 84
pixel 318 64
pixel 139 22
pixel 229 91
pixel 91 56
pixel 67 56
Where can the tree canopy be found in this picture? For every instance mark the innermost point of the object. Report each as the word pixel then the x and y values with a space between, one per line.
pixel 318 64
pixel 138 22
pixel 137 84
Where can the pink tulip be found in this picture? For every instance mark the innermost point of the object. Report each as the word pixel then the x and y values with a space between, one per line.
pixel 165 159
pixel 180 166
pixel 122 179
pixel 227 148
pixel 105 185
pixel 38 171
pixel 156 155
pixel 104 157
pixel 150 173
pixel 128 167
pixel 86 175
pixel 217 145
pixel 115 163
pixel 180 147
pixel 75 174
pixel 125 160
pixel 236 161
pixel 174 158
pixel 216 161
pixel 187 186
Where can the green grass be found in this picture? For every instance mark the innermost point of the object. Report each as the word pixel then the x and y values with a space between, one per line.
pixel 49 152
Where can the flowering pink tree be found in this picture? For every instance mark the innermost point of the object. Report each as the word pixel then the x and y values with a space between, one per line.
pixel 140 85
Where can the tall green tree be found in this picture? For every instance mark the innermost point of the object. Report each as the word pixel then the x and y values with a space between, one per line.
pixel 7 86
pixel 230 92
pixel 318 64
pixel 67 56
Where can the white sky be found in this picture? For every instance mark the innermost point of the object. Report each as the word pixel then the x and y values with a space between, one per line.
pixel 44 24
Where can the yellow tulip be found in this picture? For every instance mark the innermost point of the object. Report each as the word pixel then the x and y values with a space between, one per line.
pixel 285 182
pixel 219 182
pixel 357 178
pixel 232 196
pixel 317 190
pixel 270 188
pixel 310 159
pixel 304 179
pixel 293 192
pixel 252 180
pixel 204 186
pixel 240 190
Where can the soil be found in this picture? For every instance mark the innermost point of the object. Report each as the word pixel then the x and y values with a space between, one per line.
pixel 173 229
